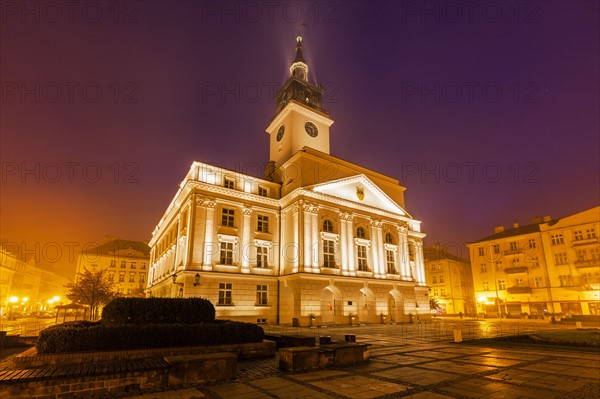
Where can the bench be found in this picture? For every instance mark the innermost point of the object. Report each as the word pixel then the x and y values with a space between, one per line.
pixel 333 355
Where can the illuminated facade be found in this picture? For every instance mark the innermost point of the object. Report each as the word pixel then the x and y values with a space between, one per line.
pixel 319 240
pixel 549 266
pixel 125 261
pixel 26 288
pixel 451 282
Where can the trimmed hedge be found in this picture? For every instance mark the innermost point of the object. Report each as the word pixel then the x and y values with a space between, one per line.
pixel 158 311
pixel 80 337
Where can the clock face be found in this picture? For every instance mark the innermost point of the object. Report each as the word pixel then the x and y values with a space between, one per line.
pixel 311 129
pixel 280 132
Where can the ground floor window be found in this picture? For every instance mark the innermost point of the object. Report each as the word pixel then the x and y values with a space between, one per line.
pixel 225 290
pixel 261 294
pixel 594 307
pixel 570 308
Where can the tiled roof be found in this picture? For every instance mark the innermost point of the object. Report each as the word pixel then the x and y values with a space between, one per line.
pixel 114 246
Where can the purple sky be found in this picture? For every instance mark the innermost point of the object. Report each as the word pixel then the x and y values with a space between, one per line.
pixel 488 114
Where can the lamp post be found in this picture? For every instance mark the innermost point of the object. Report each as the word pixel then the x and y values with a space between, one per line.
pixel 178 284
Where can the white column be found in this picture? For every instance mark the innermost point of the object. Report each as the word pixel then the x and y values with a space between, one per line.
pixel 403 252
pixel 275 252
pixel 314 242
pixel 374 249
pixel 307 233
pixel 380 248
pixel 245 244
pixel 189 232
pixel 210 246
pixel 419 264
pixel 351 248
pixel 344 242
pixel 296 238
pixel 177 254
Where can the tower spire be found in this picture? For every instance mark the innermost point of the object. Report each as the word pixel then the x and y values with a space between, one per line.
pixel 299 68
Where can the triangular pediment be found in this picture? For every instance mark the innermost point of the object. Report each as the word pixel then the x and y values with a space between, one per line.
pixel 359 189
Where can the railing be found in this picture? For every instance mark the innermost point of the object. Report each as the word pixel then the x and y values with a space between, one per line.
pixel 519 290
pixel 515 269
pixel 587 263
pixel 25 329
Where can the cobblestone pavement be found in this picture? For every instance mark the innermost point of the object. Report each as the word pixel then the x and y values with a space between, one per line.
pixel 408 365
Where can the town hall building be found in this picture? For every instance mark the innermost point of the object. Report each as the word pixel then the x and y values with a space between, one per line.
pixel 319 240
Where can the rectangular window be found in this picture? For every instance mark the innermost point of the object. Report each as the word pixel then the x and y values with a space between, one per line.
pixel 328 253
pixel 536 261
pixel 435 292
pixel 442 292
pixel 581 255
pixel 519 282
pixel 441 279
pixel 121 277
pixel 113 263
pixel 578 235
pixel 261 295
pixel 560 258
pixel 391 262
pixel 513 246
pixel 496 248
pixel 133 265
pixel 501 285
pixel 229 183
pixel 225 294
pixel 111 277
pixel 590 233
pixel 226 253
pixel 142 277
pixel 262 192
pixel 227 217
pixel 595 253
pixel 531 243
pixel 263 224
pixel 538 282
pixel 123 264
pixel 481 251
pixel 362 258
pixel 483 268
pixel 434 280
pixel 565 280
pixel 262 255
pixel 132 277
pixel 557 239
pixel 143 266
pixel 486 286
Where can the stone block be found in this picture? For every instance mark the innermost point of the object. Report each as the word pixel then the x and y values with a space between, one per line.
pixel 201 369
pixel 298 358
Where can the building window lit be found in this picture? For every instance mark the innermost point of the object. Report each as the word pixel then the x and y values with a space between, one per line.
pixel 113 263
pixel 261 295
pixel 121 277
pixel 501 285
pixel 132 277
pixel 531 243
pixel 442 292
pixel 538 282
pixel 483 268
pixel 262 192
pixel 143 265
pixel 590 233
pixel 441 279
pixel 133 265
pixel 535 260
pixel 362 258
pixel 225 290
pixel 262 255
pixel 390 261
pixel 481 251
pixel 226 253
pixel 263 224
pixel 578 235
pixel 434 281
pixel 227 217
pixel 557 239
pixel 513 246
pixel 360 233
pixel 496 248
pixel 229 183
pixel 111 277
pixel 328 253
pixel 328 226
pixel 142 277
pixel 560 258
pixel 486 286
pixel 581 255
pixel 123 264
pixel 595 253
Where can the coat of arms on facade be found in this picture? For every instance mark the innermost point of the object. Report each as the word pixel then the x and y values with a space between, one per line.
pixel 360 193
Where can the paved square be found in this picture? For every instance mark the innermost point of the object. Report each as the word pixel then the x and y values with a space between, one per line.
pixel 357 387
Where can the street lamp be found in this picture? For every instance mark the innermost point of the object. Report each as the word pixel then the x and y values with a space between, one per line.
pixel 175 280
pixel 197 280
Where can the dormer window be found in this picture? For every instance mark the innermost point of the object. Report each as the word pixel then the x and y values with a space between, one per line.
pixel 262 192
pixel 229 183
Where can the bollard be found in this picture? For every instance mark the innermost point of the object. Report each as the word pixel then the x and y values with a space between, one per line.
pixel 457 335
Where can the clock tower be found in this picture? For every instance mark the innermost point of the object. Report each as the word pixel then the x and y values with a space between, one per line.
pixel 300 120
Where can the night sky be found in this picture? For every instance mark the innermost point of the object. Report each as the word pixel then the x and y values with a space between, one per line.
pixel 488 114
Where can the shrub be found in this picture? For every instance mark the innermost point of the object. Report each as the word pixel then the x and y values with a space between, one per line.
pixel 158 311
pixel 98 336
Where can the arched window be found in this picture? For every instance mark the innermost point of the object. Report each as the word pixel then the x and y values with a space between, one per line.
pixel 360 232
pixel 328 226
pixel 388 238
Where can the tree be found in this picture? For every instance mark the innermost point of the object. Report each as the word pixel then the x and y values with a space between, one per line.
pixel 91 288
pixel 433 304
